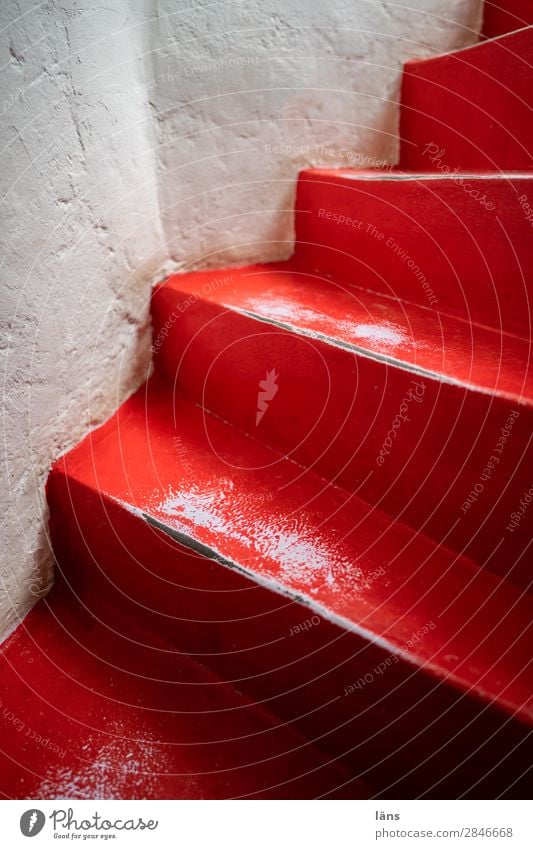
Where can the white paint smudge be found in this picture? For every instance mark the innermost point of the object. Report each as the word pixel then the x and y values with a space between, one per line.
pixel 301 551
pixel 382 333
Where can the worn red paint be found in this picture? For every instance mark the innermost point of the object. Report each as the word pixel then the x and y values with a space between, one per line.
pixel 347 361
pixel 93 711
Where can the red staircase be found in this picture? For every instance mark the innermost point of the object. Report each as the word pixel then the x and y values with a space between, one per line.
pixel 295 563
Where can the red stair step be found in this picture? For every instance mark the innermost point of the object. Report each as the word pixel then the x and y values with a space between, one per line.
pixel 471 109
pixel 503 16
pixel 423 238
pixel 294 590
pixel 344 364
pixel 90 711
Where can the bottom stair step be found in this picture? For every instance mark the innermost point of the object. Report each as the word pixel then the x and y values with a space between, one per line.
pixel 383 647
pixel 89 712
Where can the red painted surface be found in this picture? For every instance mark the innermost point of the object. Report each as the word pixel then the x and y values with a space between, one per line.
pixel 280 547
pixel 503 16
pixel 314 501
pixel 335 406
pixel 376 326
pixel 474 105
pixel 473 252
pixel 91 711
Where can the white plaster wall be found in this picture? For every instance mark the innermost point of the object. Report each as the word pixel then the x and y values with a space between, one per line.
pixel 79 242
pixel 139 135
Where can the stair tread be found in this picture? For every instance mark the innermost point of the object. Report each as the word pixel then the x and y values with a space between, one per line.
pixel 239 502
pixel 88 712
pixel 499 19
pixel 419 339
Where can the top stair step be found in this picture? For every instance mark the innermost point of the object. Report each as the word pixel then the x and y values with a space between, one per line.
pixel 227 498
pixel 503 16
pixel 473 107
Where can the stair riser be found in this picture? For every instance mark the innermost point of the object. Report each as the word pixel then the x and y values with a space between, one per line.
pixel 333 684
pixel 475 105
pixel 428 242
pixel 498 20
pixel 400 440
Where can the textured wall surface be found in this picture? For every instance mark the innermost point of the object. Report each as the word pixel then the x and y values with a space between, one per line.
pixel 78 246
pixel 247 93
pixel 138 136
